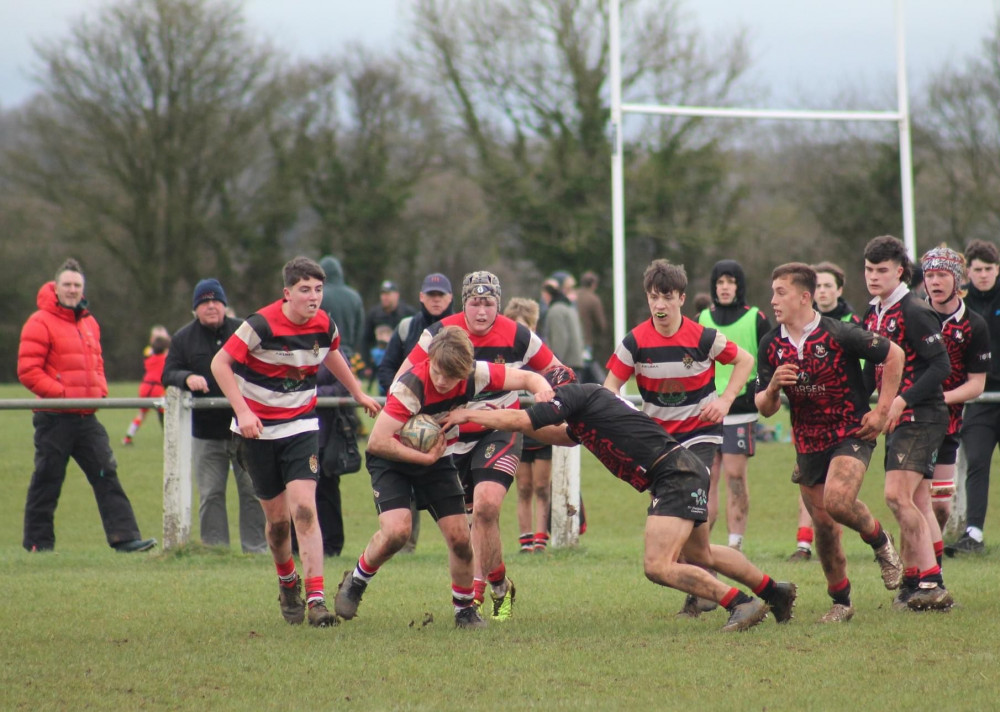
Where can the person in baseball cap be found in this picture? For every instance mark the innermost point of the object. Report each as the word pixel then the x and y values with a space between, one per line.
pixel 435 282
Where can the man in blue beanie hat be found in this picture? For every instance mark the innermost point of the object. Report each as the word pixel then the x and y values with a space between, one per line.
pixel 189 367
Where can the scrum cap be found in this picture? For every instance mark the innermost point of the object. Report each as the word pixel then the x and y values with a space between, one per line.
pixel 480 284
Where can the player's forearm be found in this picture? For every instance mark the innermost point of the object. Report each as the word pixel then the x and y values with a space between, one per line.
pixel 768 402
pixel 510 420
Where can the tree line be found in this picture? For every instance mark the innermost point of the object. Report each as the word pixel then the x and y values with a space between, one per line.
pixel 167 142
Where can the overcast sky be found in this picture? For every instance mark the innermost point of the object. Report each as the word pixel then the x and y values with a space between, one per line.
pixel 802 48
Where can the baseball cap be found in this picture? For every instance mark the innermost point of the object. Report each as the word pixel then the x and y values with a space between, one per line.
pixel 435 282
pixel 388 286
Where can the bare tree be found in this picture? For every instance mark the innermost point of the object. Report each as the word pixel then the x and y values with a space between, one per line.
pixel 527 80
pixel 151 135
pixel 365 138
pixel 963 118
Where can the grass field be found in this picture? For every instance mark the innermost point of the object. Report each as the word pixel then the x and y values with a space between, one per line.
pixel 86 628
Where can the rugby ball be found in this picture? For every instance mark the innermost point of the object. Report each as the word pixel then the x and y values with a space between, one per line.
pixel 419 432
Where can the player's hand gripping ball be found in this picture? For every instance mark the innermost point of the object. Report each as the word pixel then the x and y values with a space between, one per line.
pixel 420 432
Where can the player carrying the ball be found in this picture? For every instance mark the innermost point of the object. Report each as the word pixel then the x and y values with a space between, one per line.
pixel 450 377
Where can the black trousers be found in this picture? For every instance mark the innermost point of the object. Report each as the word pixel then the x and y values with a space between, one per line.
pixel 980 435
pixel 58 437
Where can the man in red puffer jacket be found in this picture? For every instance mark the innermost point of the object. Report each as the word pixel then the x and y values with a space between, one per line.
pixel 60 357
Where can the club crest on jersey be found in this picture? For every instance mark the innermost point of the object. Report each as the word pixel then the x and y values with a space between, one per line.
pixel 958 335
pixel 671 393
pixel 315 348
pixel 313 464
pixel 687 361
pixel 820 351
pixel 499 359
pixel 490 449
pixel 891 325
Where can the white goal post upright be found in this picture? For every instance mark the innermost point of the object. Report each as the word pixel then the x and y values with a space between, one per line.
pixel 901 116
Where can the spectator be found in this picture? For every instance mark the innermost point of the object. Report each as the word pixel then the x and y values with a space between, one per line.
pixel 594 324
pixel 562 332
pixel 345 307
pixel 189 367
pixel 154 355
pixel 435 304
pixel 381 321
pixel 60 357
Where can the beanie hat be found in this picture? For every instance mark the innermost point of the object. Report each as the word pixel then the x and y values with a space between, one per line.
pixel 945 259
pixel 480 284
pixel 208 289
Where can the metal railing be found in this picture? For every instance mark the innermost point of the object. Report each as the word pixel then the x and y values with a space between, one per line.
pixel 177 489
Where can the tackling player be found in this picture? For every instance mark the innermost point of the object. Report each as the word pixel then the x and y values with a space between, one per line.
pixel 637 450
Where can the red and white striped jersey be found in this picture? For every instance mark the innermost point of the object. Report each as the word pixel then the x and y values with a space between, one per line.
pixel 276 365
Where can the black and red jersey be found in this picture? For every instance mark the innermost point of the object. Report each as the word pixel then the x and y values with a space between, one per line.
pixel 913 325
pixel 829 399
pixel 968 342
pixel 624 439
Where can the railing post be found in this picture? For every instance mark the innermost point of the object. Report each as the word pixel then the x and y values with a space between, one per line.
pixel 565 524
pixel 176 468
pixel 955 526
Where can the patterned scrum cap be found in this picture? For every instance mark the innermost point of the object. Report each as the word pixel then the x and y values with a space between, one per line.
pixel 947 260
pixel 480 284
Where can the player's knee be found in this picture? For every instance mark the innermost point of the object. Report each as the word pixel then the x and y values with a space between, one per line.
pixel 462 549
pixel 304 517
pixel 280 530
pixel 395 537
pixel 542 492
pixel 485 512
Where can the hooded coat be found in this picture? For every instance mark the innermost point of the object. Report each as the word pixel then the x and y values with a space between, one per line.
pixel 60 351
pixel 721 316
pixel 344 306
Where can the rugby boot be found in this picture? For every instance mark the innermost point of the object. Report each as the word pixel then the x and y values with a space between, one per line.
pixel 348 597
pixel 888 561
pixel 320 617
pixel 839 613
pixel 930 596
pixel 690 608
pixel 746 615
pixel 900 602
pixel 503 607
pixel 800 554
pixel 965 545
pixel 469 618
pixel 782 601
pixel 293 608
